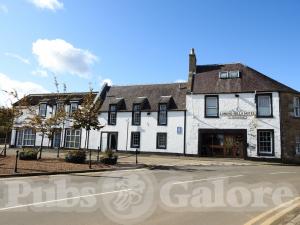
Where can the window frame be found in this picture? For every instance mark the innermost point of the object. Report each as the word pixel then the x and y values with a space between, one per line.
pixel 157 140
pixel 272 153
pixel 46 106
pixel 218 106
pixel 257 108
pixel 296 107
pixel 66 136
pixel 159 116
pixel 297 144
pixel 136 113
pixel 70 108
pixel 131 139
pixel 112 112
pixel 22 136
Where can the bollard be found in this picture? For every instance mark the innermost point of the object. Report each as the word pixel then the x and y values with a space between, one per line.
pixel 57 152
pixel 136 156
pixel 16 164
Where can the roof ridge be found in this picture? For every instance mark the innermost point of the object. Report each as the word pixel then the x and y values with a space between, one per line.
pixel 150 84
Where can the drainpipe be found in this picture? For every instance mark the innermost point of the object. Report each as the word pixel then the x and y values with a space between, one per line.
pixel 184 134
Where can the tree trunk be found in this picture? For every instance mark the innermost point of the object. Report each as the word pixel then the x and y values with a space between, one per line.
pixel 5 142
pixel 87 147
pixel 41 148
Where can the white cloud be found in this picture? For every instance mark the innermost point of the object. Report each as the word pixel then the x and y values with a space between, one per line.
pixel 3 9
pixel 48 4
pixel 180 81
pixel 18 57
pixel 23 88
pixel 60 56
pixel 40 73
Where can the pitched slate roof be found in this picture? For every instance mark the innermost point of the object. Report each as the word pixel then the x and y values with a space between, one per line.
pixel 51 98
pixel 206 80
pixel 153 93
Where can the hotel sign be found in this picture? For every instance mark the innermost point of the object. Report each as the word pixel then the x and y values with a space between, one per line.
pixel 237 114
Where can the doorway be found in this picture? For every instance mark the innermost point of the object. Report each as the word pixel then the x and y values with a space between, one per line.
pixel 109 140
pixel 223 143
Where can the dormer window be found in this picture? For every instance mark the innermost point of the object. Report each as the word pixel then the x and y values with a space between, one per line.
pixel 162 114
pixel 112 114
pixel 43 110
pixel 136 114
pixel 229 74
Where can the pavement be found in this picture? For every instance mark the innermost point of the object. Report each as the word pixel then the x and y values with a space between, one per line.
pixel 174 191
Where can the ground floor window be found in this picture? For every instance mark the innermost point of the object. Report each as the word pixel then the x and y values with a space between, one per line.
pixel 265 142
pixel 72 139
pixel 26 137
pixel 135 139
pixel 161 140
pixel 56 139
pixel 298 145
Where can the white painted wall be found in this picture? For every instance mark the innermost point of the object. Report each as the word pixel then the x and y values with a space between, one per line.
pixel 148 129
pixel 227 102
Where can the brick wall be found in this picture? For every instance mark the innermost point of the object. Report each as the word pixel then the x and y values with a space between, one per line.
pixel 290 127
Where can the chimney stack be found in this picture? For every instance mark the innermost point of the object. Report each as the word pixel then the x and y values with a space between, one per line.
pixel 192 69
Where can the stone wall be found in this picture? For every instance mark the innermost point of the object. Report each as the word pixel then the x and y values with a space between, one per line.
pixel 290 127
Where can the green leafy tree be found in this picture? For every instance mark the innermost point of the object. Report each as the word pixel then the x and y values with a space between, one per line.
pixel 86 116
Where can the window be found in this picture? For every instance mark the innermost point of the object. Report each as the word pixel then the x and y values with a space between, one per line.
pixel 229 74
pixel 211 106
pixel 136 114
pixel 297 107
pixel 135 139
pixel 161 140
pixel 265 142
pixel 264 105
pixel 112 115
pixel 26 137
pixel 72 139
pixel 56 139
pixel 298 145
pixel 162 114
pixel 73 108
pixel 43 109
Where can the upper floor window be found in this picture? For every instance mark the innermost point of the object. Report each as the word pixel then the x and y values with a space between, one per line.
pixel 162 114
pixel 264 105
pixel 136 114
pixel 60 106
pixel 73 108
pixel 135 139
pixel 229 74
pixel 298 144
pixel 43 109
pixel 112 115
pixel 212 106
pixel 297 106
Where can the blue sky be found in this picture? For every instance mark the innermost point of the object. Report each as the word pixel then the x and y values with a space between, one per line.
pixel 142 41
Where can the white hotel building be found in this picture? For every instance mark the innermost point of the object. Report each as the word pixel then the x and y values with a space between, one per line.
pixel 224 110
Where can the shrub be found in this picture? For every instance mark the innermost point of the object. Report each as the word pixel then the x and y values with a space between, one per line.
pixel 75 156
pixel 28 154
pixel 109 157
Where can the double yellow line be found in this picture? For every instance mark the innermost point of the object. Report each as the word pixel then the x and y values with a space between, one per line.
pixel 271 216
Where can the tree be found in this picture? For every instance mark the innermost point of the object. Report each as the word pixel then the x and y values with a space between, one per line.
pixel 86 116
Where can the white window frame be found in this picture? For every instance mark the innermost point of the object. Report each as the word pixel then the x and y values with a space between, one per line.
pixel 72 138
pixel 215 107
pixel 260 106
pixel 262 143
pixel 42 110
pixel 297 144
pixel 26 137
pixel 72 108
pixel 297 107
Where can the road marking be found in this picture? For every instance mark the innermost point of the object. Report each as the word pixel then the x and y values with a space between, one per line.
pixel 63 175
pixel 275 173
pixel 62 199
pixel 207 179
pixel 261 216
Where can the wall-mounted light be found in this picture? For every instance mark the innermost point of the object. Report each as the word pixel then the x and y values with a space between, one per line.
pixel 148 113
pixel 237 95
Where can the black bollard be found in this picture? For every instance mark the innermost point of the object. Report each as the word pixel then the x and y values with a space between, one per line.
pixel 16 164
pixel 57 152
pixel 136 156
pixel 98 154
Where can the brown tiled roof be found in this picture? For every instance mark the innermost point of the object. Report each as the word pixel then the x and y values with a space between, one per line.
pixel 153 93
pixel 207 80
pixel 51 98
